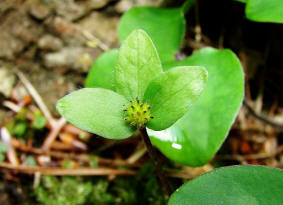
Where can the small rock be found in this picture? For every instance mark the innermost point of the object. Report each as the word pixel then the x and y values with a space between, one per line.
pixel 17 32
pixel 6 5
pixel 72 10
pixel 10 46
pixel 39 11
pixel 49 42
pixel 124 5
pixel 70 57
pixel 7 80
pixel 68 31
pixel 19 92
pixel 103 27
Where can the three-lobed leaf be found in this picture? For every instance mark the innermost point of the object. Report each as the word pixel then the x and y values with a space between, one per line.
pixel 195 138
pixel 96 110
pixel 184 142
pixel 138 73
pixel 137 64
pixel 172 93
pixel 235 185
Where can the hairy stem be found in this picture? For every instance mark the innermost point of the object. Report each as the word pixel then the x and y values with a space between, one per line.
pixel 152 153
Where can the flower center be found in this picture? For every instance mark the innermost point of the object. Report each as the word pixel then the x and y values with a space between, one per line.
pixel 138 113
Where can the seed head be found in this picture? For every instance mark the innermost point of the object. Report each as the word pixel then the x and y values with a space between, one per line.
pixel 138 113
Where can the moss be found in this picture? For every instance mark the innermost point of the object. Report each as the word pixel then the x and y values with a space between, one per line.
pixel 140 189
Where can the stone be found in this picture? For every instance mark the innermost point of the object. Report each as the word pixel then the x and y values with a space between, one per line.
pixel 6 5
pixel 73 10
pixel 38 11
pixel 10 46
pixel 17 32
pixel 7 80
pixel 102 26
pixel 68 32
pixel 124 5
pixel 71 57
pixel 49 42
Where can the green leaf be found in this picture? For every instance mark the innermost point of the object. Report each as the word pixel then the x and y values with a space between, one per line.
pixel 31 161
pixel 93 161
pixel 172 93
pixel 265 11
pixel 166 27
pixel 2 157
pixel 39 121
pixel 3 147
pixel 102 72
pixel 196 137
pixel 96 110
pixel 137 64
pixel 235 185
pixel 20 128
pixel 3 150
pixel 68 164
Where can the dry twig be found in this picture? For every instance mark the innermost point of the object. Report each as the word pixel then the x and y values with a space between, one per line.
pixel 240 158
pixel 264 119
pixel 75 156
pixel 61 171
pixel 53 134
pixel 37 99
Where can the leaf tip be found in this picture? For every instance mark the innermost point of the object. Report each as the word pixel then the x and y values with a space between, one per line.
pixel 60 106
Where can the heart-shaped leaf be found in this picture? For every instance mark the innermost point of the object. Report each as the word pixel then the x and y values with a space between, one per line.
pixel 137 64
pixel 236 185
pixel 265 11
pixel 96 110
pixel 102 72
pixel 196 137
pixel 166 27
pixel 172 93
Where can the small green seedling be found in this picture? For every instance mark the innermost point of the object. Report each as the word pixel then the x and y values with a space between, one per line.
pixel 132 91
pixel 186 141
pixel 145 95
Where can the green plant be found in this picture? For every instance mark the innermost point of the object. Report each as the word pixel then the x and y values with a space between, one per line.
pixel 186 141
pixel 140 189
pixel 264 11
pixel 3 150
pixel 235 185
pixel 148 96
pixel 196 134
pixel 21 127
pixel 67 191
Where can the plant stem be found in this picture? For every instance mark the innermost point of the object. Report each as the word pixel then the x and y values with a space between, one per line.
pixel 187 5
pixel 156 162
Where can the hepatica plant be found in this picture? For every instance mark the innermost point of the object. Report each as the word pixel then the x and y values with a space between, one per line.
pixel 129 91
pixel 145 95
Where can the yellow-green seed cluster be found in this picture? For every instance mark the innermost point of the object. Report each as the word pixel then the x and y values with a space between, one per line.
pixel 137 113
